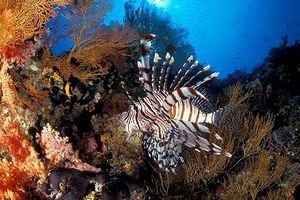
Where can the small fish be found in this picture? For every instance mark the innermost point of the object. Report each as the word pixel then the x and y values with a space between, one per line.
pixel 68 90
pixel 56 77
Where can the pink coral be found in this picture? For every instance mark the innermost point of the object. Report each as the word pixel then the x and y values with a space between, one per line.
pixel 59 151
pixel 56 148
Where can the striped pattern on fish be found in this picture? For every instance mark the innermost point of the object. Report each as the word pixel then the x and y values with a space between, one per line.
pixel 172 112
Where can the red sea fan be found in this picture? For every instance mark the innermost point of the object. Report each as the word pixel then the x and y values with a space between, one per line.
pixel 118 104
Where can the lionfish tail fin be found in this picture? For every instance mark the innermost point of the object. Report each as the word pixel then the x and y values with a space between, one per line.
pixel 230 117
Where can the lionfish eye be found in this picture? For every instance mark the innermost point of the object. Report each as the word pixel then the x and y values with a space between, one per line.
pixel 62 187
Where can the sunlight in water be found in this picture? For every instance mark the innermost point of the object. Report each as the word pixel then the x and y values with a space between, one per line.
pixel 159 3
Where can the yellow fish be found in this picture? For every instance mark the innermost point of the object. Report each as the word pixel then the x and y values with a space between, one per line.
pixel 68 90
pixel 56 77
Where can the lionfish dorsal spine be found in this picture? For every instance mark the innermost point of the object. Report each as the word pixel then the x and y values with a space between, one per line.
pixel 168 73
pixel 204 69
pixel 186 73
pixel 180 71
pixel 154 67
pixel 131 99
pixel 209 77
pixel 163 70
pixel 144 67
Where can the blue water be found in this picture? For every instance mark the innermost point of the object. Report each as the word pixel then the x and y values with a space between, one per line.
pixel 228 34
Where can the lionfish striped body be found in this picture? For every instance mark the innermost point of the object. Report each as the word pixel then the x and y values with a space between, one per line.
pixel 172 113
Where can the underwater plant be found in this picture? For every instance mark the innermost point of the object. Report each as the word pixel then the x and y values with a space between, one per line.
pixel 93 44
pixel 172 114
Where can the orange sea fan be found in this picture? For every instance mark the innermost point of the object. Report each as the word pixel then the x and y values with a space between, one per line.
pixel 21 20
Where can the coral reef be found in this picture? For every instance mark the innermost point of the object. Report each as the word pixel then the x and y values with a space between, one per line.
pixel 61 134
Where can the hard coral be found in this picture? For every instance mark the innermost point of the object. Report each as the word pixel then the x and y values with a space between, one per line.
pixel 18 54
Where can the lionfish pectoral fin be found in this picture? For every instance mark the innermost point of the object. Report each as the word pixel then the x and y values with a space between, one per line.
pixel 195 128
pixel 193 140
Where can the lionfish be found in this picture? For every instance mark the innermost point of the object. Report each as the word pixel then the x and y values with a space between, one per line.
pixel 171 114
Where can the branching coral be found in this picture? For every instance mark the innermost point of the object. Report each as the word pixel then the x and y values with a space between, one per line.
pixel 258 132
pixel 10 96
pixel 202 167
pixel 281 193
pixel 59 151
pixel 36 95
pixel 234 95
pixel 251 133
